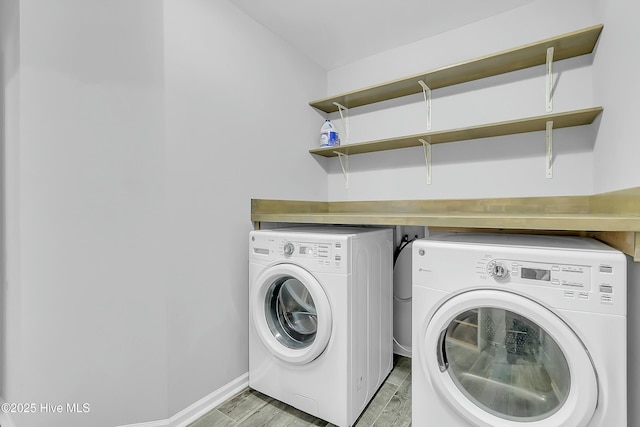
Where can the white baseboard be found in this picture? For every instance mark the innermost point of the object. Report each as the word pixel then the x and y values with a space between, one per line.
pixel 207 403
pixel 201 407
pixel 159 423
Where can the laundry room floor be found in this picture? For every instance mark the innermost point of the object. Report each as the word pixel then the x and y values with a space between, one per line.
pixel 390 407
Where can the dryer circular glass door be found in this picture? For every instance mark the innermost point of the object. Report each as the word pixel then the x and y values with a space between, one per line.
pixel 291 313
pixel 502 359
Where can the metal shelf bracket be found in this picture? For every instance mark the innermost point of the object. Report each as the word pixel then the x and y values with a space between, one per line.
pixel 549 149
pixel 344 116
pixel 427 158
pixel 549 89
pixel 427 100
pixel 344 164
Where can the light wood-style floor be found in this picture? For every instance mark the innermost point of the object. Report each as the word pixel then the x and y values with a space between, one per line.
pixel 390 407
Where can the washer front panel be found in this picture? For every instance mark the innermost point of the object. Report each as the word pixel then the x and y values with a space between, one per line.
pixel 502 359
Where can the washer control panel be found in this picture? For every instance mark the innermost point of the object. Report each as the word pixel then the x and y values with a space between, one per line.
pixel 305 250
pixel 321 253
pixel 576 277
pixel 328 253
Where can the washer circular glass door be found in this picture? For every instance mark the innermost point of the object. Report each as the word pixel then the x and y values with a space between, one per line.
pixel 502 359
pixel 291 313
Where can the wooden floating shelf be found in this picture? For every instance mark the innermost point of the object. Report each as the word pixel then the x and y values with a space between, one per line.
pixel 565 46
pixel 530 124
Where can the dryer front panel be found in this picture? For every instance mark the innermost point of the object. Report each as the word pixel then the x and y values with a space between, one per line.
pixel 291 313
pixel 502 359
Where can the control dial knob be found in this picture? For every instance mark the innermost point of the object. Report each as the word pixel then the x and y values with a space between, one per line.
pixel 498 270
pixel 288 249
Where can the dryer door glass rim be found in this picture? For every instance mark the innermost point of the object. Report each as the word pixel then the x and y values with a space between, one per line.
pixel 464 309
pixel 291 313
pixel 506 364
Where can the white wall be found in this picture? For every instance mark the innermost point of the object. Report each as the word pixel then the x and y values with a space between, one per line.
pixel 85 250
pixel 9 91
pixel 496 167
pixel 616 70
pixel 238 127
pixel 137 134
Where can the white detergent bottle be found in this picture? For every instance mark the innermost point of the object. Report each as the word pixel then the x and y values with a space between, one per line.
pixel 328 135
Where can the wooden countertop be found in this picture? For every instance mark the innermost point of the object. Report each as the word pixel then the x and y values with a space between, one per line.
pixel 612 217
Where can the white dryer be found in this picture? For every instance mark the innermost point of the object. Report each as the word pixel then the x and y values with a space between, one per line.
pixel 514 330
pixel 320 327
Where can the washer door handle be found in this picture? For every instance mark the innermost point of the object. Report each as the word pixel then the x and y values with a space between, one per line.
pixel 443 363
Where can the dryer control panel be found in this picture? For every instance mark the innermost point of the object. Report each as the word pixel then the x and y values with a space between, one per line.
pixel 562 272
pixel 576 277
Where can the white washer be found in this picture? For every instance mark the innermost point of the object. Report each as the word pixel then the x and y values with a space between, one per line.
pixel 320 327
pixel 513 330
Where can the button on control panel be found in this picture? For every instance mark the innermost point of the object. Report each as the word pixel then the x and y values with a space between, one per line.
pixel 498 270
pixel 288 249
